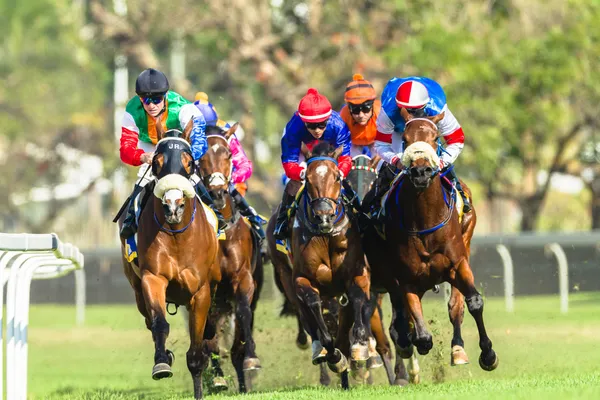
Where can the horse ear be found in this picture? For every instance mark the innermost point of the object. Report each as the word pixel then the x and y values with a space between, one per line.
pixel 160 129
pixel 305 151
pixel 437 118
pixel 187 132
pixel 337 152
pixel 405 115
pixel 231 130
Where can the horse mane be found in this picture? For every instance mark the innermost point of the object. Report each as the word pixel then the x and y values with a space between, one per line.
pixel 322 148
pixel 215 130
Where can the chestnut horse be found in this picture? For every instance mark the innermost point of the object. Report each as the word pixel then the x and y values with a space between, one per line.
pixel 328 261
pixel 239 258
pixel 177 255
pixel 426 244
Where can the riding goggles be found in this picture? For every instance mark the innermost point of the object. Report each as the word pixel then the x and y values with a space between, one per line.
pixel 316 125
pixel 357 108
pixel 153 99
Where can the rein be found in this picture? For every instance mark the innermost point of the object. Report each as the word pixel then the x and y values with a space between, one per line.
pixel 451 203
pixel 340 209
pixel 162 228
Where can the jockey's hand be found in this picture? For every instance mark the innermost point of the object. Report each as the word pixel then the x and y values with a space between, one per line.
pixel 146 158
pixel 399 164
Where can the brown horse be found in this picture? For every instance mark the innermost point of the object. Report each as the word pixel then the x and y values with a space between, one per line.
pixel 328 261
pixel 177 256
pixel 425 245
pixel 239 258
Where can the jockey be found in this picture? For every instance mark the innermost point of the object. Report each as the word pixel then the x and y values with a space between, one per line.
pixel 421 97
pixel 313 121
pixel 360 114
pixel 155 103
pixel 242 166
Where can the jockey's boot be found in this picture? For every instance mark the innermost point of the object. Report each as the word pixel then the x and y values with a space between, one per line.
pixel 452 175
pixel 207 199
pixel 129 227
pixel 247 211
pixel 370 203
pixel 351 198
pixel 281 224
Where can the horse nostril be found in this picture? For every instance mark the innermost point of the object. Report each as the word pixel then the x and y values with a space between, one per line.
pixel 428 171
pixel 414 171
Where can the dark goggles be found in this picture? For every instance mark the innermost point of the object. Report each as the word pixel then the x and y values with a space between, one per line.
pixel 417 112
pixel 357 108
pixel 315 125
pixel 153 99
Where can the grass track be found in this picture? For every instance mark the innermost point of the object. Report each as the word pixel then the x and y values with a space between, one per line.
pixel 543 355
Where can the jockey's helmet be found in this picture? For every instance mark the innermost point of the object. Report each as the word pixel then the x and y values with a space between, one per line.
pixel 151 83
pixel 314 107
pixel 412 94
pixel 206 108
pixel 359 90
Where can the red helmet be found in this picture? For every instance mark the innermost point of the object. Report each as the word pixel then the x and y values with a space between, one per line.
pixel 314 107
pixel 412 94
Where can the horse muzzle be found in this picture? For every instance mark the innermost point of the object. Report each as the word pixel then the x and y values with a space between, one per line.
pixel 325 215
pixel 173 206
pixel 421 176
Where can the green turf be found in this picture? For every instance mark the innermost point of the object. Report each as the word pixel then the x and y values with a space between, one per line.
pixel 543 354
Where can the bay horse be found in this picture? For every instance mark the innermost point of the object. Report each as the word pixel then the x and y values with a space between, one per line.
pixel 176 255
pixel 328 262
pixel 426 244
pixel 239 259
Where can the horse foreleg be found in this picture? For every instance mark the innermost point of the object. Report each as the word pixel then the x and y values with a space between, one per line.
pixel 464 281
pixel 154 293
pixel 456 311
pixel 197 357
pixel 310 305
pixel 212 334
pixel 359 294
pixel 421 338
pixel 379 346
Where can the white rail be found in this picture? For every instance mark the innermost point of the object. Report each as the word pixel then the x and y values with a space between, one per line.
pixel 27 257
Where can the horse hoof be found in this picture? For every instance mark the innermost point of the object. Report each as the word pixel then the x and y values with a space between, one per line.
pixel 161 370
pixel 458 356
pixel 488 365
pixel 302 344
pixel 405 352
pixel 220 384
pixel 359 352
pixel 414 379
pixel 171 356
pixel 374 362
pixel 400 382
pixel 251 364
pixel 341 365
pixel 424 345
pixel 319 354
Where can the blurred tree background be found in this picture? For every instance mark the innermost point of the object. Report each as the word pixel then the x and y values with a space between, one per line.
pixel 521 76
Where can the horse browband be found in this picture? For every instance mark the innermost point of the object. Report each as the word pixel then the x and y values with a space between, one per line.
pixel 322 158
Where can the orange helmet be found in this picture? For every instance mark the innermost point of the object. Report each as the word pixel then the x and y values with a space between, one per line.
pixel 359 90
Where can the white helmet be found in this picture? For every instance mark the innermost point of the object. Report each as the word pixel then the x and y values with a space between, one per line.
pixel 412 94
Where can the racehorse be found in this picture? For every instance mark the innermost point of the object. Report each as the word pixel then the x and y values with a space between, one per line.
pixel 426 244
pixel 328 262
pixel 239 259
pixel 176 255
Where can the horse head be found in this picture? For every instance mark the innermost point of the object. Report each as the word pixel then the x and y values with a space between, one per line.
pixel 363 173
pixel 172 165
pixel 216 165
pixel 420 159
pixel 323 185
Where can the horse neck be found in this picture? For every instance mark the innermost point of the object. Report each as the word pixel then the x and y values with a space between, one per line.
pixel 426 208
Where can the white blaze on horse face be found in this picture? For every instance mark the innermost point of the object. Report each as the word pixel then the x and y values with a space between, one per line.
pixel 322 170
pixel 217 179
pixel 215 147
pixel 171 196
